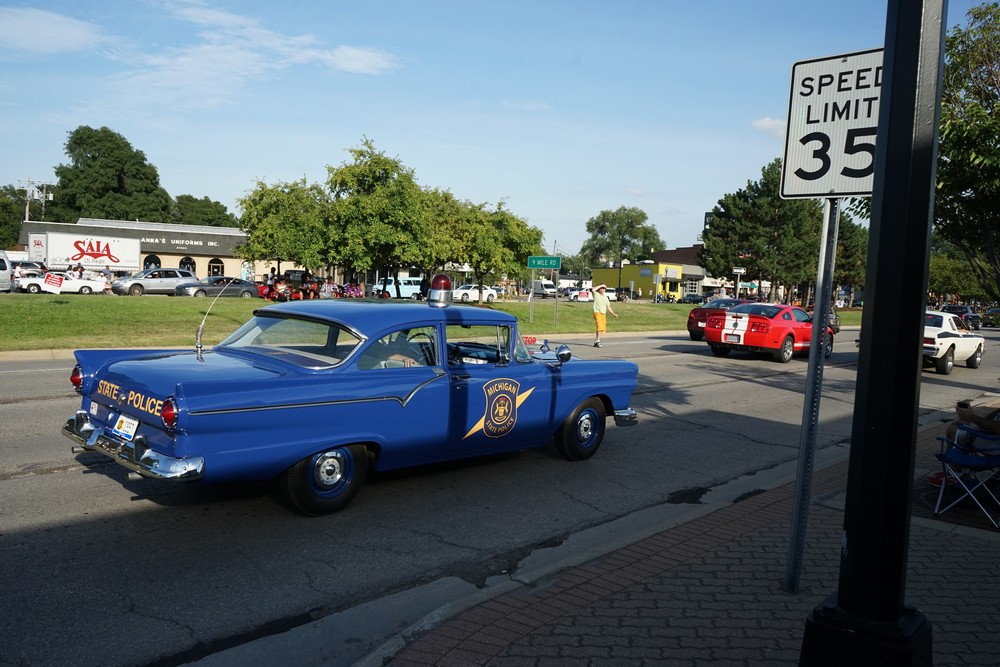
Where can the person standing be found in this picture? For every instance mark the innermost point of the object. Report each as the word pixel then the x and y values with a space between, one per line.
pixel 602 306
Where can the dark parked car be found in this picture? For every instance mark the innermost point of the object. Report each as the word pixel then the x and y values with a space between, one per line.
pixel 991 318
pixel 216 285
pixel 969 316
pixel 692 298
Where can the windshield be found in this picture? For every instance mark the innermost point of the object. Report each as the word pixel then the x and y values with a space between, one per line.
pixel 305 343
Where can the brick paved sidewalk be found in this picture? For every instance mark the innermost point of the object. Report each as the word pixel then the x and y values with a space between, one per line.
pixel 709 591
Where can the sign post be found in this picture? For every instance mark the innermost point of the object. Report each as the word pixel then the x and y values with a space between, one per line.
pixel 547 262
pixel 833 113
pixel 737 272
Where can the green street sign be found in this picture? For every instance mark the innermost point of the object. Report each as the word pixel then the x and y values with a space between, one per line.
pixel 544 262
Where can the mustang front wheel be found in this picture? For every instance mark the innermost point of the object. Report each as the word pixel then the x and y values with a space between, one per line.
pixel 582 432
pixel 325 482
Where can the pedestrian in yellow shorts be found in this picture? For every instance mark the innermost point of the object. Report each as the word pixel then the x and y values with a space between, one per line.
pixel 602 306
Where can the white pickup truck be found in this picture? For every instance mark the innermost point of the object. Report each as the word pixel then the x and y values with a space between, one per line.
pixel 58 281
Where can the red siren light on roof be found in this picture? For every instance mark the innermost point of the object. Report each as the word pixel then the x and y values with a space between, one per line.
pixel 439 294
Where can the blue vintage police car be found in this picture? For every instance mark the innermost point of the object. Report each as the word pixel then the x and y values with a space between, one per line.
pixel 314 393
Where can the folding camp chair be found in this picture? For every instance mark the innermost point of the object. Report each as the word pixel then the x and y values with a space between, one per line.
pixel 966 468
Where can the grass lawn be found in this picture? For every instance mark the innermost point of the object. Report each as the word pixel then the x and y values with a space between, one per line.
pixel 71 321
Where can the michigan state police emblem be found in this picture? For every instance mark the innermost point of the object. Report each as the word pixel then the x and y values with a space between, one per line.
pixel 501 407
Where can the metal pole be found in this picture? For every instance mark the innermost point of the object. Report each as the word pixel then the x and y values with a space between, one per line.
pixel 814 391
pixel 867 620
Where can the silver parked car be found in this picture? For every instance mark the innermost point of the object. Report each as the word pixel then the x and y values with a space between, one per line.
pixel 152 281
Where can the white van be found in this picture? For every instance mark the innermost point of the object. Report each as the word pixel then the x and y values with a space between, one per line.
pixel 543 288
pixel 409 288
pixel 5 271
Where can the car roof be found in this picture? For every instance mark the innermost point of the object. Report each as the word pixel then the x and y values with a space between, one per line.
pixel 370 317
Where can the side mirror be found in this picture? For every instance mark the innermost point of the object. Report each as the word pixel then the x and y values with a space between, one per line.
pixel 564 354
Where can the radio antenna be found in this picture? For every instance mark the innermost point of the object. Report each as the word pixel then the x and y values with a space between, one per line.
pixel 201 327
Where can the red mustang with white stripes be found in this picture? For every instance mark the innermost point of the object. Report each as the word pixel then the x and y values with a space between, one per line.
pixel 772 328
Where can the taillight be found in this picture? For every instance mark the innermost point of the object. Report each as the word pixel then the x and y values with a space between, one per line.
pixel 930 341
pixel 168 413
pixel 714 322
pixel 760 327
pixel 76 378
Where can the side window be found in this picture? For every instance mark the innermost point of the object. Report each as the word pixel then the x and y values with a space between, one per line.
pixel 404 348
pixel 474 344
pixel 801 316
pixel 155 274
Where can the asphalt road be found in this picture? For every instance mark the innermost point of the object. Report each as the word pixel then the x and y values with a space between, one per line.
pixel 99 569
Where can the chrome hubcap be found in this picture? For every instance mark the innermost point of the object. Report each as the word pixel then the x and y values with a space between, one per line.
pixel 328 469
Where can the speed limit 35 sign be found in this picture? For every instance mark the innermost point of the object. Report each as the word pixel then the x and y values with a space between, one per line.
pixel 832 123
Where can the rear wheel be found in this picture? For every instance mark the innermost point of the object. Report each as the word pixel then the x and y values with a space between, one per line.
pixel 827 345
pixel 720 350
pixel 784 353
pixel 696 335
pixel 582 432
pixel 34 289
pixel 465 298
pixel 246 295
pixel 327 481
pixel 943 365
pixel 976 359
pixel 85 290
pixel 490 298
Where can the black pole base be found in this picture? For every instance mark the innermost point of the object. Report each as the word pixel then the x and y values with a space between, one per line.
pixel 835 637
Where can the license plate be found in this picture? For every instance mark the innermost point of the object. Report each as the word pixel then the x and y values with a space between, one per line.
pixel 732 338
pixel 701 324
pixel 125 427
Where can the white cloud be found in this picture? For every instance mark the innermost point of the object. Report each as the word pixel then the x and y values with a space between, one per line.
pixel 39 31
pixel 772 126
pixel 233 51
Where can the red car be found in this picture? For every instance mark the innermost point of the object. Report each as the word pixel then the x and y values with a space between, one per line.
pixel 699 315
pixel 779 330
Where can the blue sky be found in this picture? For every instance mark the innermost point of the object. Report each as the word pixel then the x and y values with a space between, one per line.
pixel 559 108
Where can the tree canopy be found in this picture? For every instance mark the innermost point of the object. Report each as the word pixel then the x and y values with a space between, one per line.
pixel 372 214
pixel 189 210
pixel 107 178
pixel 967 207
pixel 620 234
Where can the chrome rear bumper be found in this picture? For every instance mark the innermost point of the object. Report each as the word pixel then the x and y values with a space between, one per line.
pixel 626 417
pixel 135 455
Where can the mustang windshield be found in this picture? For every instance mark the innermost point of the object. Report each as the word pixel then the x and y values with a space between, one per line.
pixel 305 343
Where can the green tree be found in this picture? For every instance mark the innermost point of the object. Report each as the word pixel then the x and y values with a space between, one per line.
pixel 107 178
pixel 11 215
pixel 189 210
pixel 495 243
pixel 618 235
pixel 444 215
pixel 967 206
pixel 775 239
pixel 376 209
pixel 852 256
pixel 288 222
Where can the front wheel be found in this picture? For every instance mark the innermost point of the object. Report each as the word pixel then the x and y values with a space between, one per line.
pixel 136 290
pixel 976 359
pixel 490 298
pixel 943 365
pixel 327 481
pixel 200 293
pixel 582 432
pixel 827 345
pixel 784 353
pixel 465 298
pixel 34 289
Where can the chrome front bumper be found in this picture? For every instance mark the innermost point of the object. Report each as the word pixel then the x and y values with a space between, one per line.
pixel 626 417
pixel 135 455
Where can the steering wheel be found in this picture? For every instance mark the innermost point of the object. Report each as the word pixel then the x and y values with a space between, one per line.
pixel 413 338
